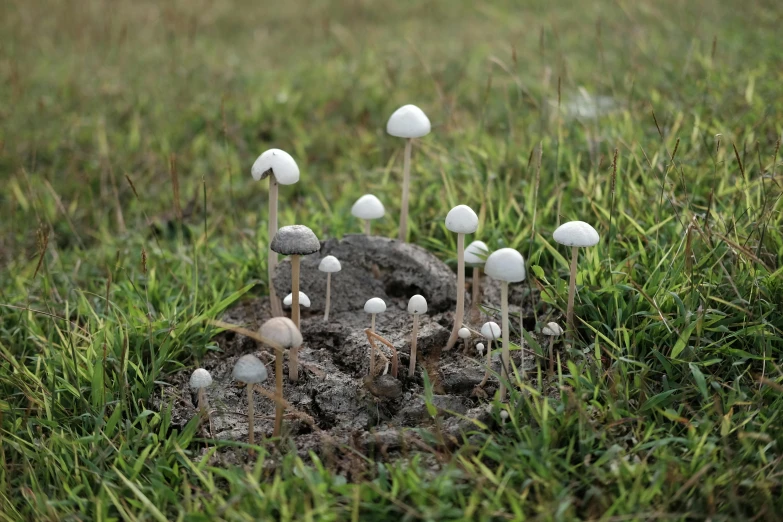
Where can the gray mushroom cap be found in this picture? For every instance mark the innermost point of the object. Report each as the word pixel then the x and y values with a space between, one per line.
pixel 249 369
pixel 200 379
pixel 295 240
pixel 552 329
pixel 282 331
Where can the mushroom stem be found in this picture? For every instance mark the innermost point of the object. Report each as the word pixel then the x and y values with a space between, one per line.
pixel 372 348
pixel 372 323
pixel 551 359
pixel 504 329
pixel 274 302
pixel 406 182
pixel 489 364
pixel 475 296
pixel 414 342
pixel 367 227
pixel 201 401
pixel 328 295
pixel 293 352
pixel 521 342
pixel 279 407
pixel 251 413
pixel 572 292
pixel 460 315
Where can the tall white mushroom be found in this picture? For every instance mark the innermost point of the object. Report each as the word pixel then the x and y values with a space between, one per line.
pixel 508 266
pixel 461 220
pixel 283 332
pixel 407 122
pixel 475 256
pixel 199 380
pixel 417 305
pixel 251 371
pixel 284 171
pixel 374 306
pixel 295 241
pixel 330 265
pixel 575 234
pixel 552 330
pixel 489 331
pixel 367 208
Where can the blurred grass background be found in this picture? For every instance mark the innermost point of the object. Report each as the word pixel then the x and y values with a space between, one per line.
pixel 105 290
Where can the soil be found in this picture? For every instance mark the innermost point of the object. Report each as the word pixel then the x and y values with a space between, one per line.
pixel 335 404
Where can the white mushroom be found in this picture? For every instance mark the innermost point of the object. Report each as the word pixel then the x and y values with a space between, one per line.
pixel 374 306
pixel 575 234
pixel 503 416
pixel 295 241
pixel 480 349
pixel 417 306
pixel 508 266
pixel 303 300
pixel 251 371
pixel 284 171
pixel 367 208
pixel 407 122
pixel 330 265
pixel 200 379
pixel 475 257
pixel 283 332
pixel 461 220
pixel 464 334
pixel 489 331
pixel 552 330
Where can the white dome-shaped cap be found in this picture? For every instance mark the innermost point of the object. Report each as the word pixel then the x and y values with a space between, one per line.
pixel 462 220
pixel 408 122
pixel 476 253
pixel 200 378
pixel 503 414
pixel 303 300
pixel 329 264
pixel 552 330
pixel 480 347
pixel 282 165
pixel 368 207
pixel 282 331
pixel 463 333
pixel 375 306
pixel 576 234
pixel 249 369
pixel 417 305
pixel 505 264
pixel 490 331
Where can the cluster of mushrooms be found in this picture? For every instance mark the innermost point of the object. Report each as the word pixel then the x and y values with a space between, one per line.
pixel 283 334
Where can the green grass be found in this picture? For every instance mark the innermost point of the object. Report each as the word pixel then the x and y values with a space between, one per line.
pixel 670 405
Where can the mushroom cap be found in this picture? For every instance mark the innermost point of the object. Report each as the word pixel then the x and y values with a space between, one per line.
pixel 249 369
pixel 295 240
pixel 283 167
pixel 417 305
pixel 408 122
pixel 464 333
pixel 505 264
pixel 490 331
pixel 330 264
pixel 504 414
pixel 576 234
pixel 283 331
pixel 462 220
pixel 200 378
pixel 375 305
pixel 368 207
pixel 303 300
pixel 480 347
pixel 552 330
pixel 476 253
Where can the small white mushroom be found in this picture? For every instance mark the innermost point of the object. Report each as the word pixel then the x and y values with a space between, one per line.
pixel 330 265
pixel 575 234
pixel 250 370
pixel 200 379
pixel 284 171
pixel 503 416
pixel 552 330
pixel 407 122
pixel 508 266
pixel 461 220
pixel 295 241
pixel 303 300
pixel 475 256
pixel 464 334
pixel 417 305
pixel 283 332
pixel 367 208
pixel 480 349
pixel 489 331
pixel 374 306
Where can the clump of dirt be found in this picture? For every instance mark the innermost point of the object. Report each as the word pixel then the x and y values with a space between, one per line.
pixel 335 402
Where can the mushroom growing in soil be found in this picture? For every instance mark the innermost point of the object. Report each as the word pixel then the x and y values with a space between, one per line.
pixel 367 208
pixel 475 257
pixel 489 331
pixel 407 122
pixel 461 220
pixel 250 370
pixel 330 265
pixel 575 234
pixel 284 171
pixel 374 306
pixel 199 380
pixel 303 300
pixel 295 241
pixel 464 334
pixel 417 306
pixel 283 331
pixel 508 266
pixel 552 330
